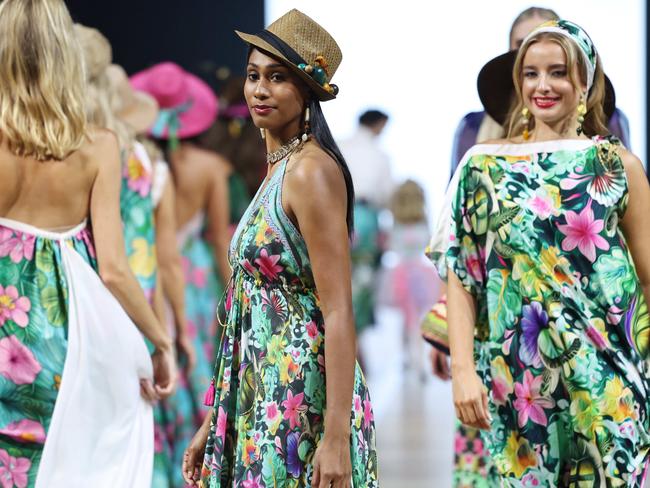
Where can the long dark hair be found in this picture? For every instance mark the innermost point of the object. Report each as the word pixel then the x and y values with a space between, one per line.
pixel 319 128
pixel 320 131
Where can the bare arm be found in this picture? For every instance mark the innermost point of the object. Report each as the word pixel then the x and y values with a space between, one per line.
pixel 315 194
pixel 636 222
pixel 109 242
pixel 218 215
pixel 470 396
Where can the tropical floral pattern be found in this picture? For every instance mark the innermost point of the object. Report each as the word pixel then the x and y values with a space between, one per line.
pixel 269 401
pixel 563 327
pixel 33 344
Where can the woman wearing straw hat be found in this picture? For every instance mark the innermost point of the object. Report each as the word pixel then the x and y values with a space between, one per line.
pixel 287 315
pixel 537 240
pixel 72 363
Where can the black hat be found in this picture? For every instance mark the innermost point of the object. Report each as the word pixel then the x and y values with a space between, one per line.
pixel 497 92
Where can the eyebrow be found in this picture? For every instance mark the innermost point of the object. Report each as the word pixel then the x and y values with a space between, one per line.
pixel 268 66
pixel 553 66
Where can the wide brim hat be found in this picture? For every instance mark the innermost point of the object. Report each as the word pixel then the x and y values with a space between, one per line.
pixel 96 50
pixel 301 44
pixel 497 91
pixel 136 108
pixel 188 106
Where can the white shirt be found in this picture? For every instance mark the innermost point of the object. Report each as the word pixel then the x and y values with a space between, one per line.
pixel 369 166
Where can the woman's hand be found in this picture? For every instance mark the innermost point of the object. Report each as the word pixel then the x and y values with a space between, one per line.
pixel 470 398
pixel 186 349
pixel 439 364
pixel 164 371
pixel 332 465
pixel 193 456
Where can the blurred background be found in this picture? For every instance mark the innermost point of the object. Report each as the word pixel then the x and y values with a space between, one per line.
pixel 417 62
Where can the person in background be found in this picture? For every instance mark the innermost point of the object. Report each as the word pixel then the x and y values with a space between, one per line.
pixel 373 183
pixel 188 107
pixel 411 284
pixel 236 138
pixel 73 363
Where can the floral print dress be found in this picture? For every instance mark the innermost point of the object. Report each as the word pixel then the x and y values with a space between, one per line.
pixel 63 385
pixel 532 231
pixel 269 376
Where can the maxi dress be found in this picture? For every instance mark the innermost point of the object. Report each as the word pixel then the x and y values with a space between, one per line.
pixel 562 334
pixel 71 361
pixel 270 397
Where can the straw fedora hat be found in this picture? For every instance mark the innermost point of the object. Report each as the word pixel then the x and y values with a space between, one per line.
pixel 97 52
pixel 497 90
pixel 301 44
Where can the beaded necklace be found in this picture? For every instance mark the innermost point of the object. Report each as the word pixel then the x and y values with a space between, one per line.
pixel 283 151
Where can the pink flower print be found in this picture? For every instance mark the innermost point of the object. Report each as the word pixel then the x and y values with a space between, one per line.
pixel 17 246
pixel 460 443
pixel 293 406
pixel 17 363
pixel 158 439
pixel 268 264
pixel 199 278
pixel 138 178
pixel 25 431
pixel 529 403
pixel 581 231
pixel 478 447
pixel 13 471
pixel 368 417
pixel 13 306
pixel 86 237
pixel 272 410
pixel 312 330
pixel 221 423
pixel 251 482
pixel 356 401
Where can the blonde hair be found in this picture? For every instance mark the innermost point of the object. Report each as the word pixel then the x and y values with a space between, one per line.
pixel 407 203
pixel 42 80
pixel 594 123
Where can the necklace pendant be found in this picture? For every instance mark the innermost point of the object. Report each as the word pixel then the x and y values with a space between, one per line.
pixel 283 151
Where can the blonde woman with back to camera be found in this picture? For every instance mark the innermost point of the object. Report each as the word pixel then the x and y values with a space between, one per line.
pixel 76 380
pixel 543 241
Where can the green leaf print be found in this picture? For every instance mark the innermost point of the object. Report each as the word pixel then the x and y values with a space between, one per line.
pixel 504 304
pixel 55 306
pixel 274 472
pixel 638 325
pixel 617 275
pixel 247 389
pixel 45 258
pixel 306 448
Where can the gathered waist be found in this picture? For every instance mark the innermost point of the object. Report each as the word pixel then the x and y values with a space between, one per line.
pixel 54 234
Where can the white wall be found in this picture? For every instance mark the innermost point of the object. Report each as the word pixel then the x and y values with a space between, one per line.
pixel 418 60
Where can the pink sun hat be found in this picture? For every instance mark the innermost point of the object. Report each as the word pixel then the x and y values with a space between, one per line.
pixel 188 106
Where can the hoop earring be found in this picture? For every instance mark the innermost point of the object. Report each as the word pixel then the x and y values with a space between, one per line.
pixel 305 135
pixel 263 134
pixel 582 111
pixel 525 119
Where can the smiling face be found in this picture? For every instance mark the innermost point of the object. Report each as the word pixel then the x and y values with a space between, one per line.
pixel 547 86
pixel 275 96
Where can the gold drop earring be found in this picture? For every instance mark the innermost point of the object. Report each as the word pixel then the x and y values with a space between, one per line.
pixel 525 119
pixel 582 111
pixel 263 134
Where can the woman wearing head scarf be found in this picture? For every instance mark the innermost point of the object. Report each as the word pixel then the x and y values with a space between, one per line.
pixel 543 244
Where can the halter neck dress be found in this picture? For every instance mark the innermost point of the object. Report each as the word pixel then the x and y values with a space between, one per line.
pixel 71 361
pixel 269 378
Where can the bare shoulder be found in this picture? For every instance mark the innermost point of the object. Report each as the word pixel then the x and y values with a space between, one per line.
pixel 314 168
pixel 101 147
pixel 630 161
pixel 207 161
